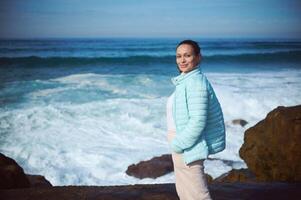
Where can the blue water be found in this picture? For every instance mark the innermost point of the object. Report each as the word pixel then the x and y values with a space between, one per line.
pixel 132 56
pixel 79 111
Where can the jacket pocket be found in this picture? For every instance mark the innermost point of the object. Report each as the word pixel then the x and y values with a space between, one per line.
pixel 198 151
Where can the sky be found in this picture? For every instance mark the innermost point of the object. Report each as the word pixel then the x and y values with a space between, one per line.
pixel 150 18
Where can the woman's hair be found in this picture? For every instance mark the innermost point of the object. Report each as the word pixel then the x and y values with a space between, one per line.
pixel 195 46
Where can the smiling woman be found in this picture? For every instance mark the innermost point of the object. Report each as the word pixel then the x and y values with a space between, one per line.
pixel 195 124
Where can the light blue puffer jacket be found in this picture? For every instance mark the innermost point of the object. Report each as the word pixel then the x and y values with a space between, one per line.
pixel 200 128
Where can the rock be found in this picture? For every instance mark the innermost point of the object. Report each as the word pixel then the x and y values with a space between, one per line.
pixel 209 178
pixel 157 166
pixel 272 148
pixel 38 181
pixel 126 192
pixel 236 175
pixel 225 191
pixel 239 122
pixel 12 175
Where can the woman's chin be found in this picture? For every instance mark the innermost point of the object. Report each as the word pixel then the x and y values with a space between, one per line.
pixel 185 70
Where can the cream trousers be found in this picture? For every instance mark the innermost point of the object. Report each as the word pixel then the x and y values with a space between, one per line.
pixel 191 181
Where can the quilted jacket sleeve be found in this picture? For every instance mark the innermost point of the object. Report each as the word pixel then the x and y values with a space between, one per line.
pixel 197 103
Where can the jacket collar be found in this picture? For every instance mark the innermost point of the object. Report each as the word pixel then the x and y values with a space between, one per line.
pixel 178 79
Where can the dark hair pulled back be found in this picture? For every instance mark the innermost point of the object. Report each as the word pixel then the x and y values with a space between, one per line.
pixel 195 46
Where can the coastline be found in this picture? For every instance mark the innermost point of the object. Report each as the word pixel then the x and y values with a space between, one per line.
pixel 257 182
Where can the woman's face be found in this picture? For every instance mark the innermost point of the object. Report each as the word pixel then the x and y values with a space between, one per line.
pixel 186 59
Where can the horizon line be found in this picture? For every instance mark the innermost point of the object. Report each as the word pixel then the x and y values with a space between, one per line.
pixel 151 37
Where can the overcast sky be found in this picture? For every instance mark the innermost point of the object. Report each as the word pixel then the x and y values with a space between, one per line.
pixel 150 18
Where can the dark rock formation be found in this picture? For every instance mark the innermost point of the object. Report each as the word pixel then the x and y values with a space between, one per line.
pixel 131 192
pixel 239 122
pixel 209 178
pixel 272 148
pixel 236 175
pixel 218 191
pixel 38 181
pixel 153 168
pixel 11 174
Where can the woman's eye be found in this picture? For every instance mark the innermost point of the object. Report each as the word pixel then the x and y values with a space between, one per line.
pixel 187 56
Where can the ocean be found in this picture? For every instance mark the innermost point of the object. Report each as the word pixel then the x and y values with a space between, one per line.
pixel 80 111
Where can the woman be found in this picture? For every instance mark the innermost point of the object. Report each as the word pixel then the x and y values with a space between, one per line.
pixel 195 123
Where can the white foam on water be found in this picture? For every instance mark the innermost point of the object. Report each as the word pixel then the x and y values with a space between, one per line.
pixel 122 121
pixel 85 143
pixel 47 92
pixel 133 85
